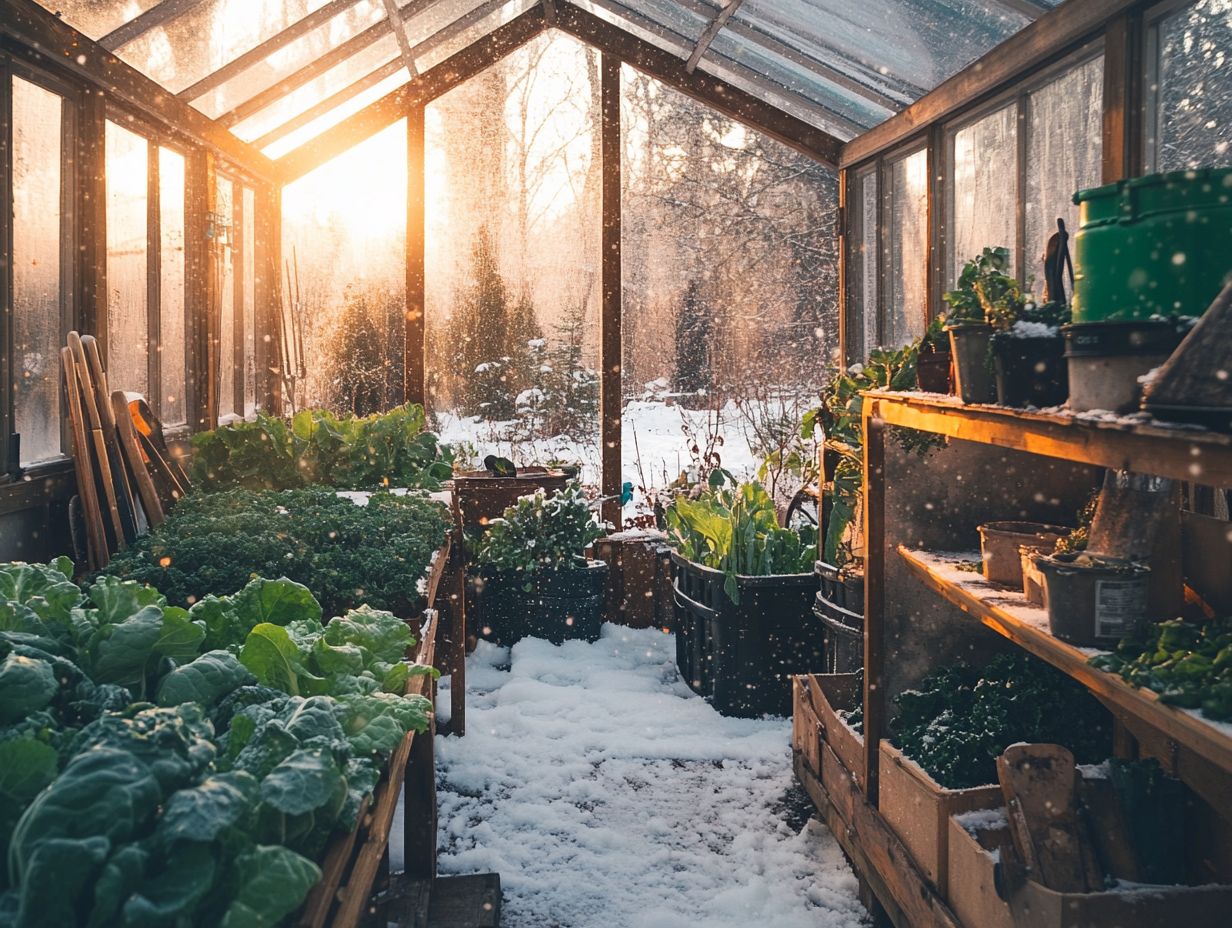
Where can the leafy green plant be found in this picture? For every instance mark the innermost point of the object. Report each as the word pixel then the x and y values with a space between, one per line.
pixel 316 447
pixel 346 554
pixel 961 718
pixel 735 529
pixel 1186 663
pixel 206 808
pixel 540 533
pixel 840 417
pixel 984 288
pixel 1078 538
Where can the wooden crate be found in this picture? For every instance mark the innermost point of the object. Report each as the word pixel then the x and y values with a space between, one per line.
pixel 343 896
pixel 478 497
pixel 1143 906
pixel 635 577
pixel 832 693
pixel 919 810
pixel 971 871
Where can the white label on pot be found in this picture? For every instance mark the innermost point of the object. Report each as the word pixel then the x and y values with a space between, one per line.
pixel 1118 605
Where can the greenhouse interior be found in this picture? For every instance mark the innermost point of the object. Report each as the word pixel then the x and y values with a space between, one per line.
pixel 633 463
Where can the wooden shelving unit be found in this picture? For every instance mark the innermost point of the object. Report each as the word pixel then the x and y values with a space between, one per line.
pixel 915 508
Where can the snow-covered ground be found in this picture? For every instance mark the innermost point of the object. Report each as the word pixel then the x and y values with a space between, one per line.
pixel 654 435
pixel 605 793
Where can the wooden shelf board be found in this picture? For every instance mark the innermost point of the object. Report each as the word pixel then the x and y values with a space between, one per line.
pixel 1141 445
pixel 1010 614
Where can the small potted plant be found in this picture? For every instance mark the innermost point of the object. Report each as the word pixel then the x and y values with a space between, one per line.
pixel 935 359
pixel 1028 349
pixel 968 326
pixel 534 579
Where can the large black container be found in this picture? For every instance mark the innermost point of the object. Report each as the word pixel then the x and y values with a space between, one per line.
pixel 1030 371
pixel 741 657
pixel 839 606
pixel 559 605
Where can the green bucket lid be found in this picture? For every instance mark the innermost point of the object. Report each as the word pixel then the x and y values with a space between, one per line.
pixel 1174 191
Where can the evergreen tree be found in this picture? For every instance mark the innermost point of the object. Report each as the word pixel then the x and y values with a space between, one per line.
pixel 693 330
pixel 570 390
pixel 488 339
pixel 367 352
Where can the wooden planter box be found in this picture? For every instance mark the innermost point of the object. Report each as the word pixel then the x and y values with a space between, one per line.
pixel 831 693
pixel 1144 906
pixel 972 861
pixel 806 739
pixel 638 575
pixel 919 810
pixel 354 860
pixel 478 497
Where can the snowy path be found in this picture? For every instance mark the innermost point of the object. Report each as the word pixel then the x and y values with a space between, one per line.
pixel 606 794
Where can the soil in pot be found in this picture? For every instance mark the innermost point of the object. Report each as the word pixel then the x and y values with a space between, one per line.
pixel 1093 601
pixel 1030 370
pixel 933 371
pixel 999 544
pixel 1106 360
pixel 969 344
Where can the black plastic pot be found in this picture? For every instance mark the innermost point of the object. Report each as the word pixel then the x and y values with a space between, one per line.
pixel 1093 601
pixel 932 371
pixel 972 365
pixel 740 657
pixel 560 604
pixel 839 606
pixel 1030 371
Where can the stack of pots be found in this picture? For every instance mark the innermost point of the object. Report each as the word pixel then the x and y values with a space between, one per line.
pixel 1151 255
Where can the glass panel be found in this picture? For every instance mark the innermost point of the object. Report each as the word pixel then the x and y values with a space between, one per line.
pixel 37 334
pixel 210 35
pixel 249 240
pixel 1193 103
pixel 127 270
pixel 863 323
pixel 906 250
pixel 1064 146
pixel 797 79
pixel 984 197
pixel 343 235
pixel 226 292
pixel 96 18
pixel 914 43
pixel 171 344
pixel 488 17
pixel 648 31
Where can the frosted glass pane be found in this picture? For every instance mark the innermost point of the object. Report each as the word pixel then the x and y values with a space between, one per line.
pixel 171 286
pixel 96 18
pixel 36 269
pixel 907 250
pixel 1064 145
pixel 984 197
pixel 127 277
pixel 864 285
pixel 226 292
pixel 249 240
pixel 1194 99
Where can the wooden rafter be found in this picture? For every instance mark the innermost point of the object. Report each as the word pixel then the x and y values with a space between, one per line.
pixel 45 36
pixel 152 18
pixel 256 55
pixel 763 40
pixel 432 83
pixel 350 91
pixel 1032 9
pixel 397 25
pixel 721 16
pixel 549 12
pixel 820 113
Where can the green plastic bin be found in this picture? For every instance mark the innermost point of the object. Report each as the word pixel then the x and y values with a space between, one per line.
pixel 1153 246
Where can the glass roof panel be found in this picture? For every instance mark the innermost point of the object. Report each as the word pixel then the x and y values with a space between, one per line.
pixel 96 18
pixel 917 42
pixel 636 25
pixel 487 17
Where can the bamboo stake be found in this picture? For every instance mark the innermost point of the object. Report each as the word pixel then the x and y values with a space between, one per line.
pixel 96 535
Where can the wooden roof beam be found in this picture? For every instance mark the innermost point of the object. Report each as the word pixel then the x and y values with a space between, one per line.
pixel 437 80
pixel 397 25
pixel 716 93
pixel 721 16
pixel 142 23
pixel 45 36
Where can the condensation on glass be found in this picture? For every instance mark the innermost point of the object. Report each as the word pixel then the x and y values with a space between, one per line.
pixel 225 232
pixel 248 263
pixel 983 203
pixel 171 326
pixel 863 280
pixel 906 250
pixel 1192 112
pixel 1064 125
pixel 37 298
pixel 127 164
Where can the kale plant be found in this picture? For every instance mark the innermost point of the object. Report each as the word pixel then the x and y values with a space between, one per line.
pixel 346 554
pixel 540 532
